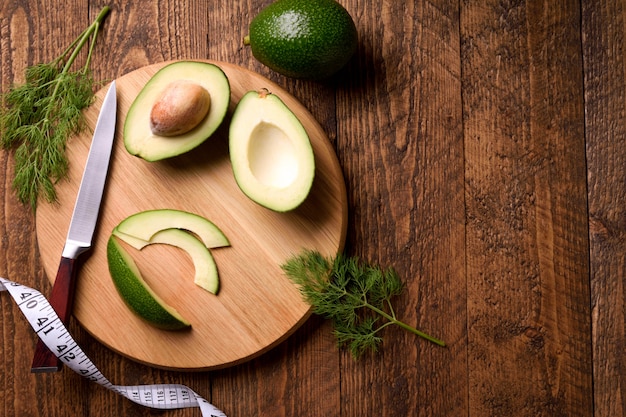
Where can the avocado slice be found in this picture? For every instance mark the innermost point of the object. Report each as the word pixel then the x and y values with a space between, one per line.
pixel 205 268
pixel 188 231
pixel 270 152
pixel 138 229
pixel 137 294
pixel 140 139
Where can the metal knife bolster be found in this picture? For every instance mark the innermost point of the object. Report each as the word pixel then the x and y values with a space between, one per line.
pixel 74 248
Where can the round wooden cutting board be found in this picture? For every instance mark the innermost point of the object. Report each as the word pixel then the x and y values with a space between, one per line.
pixel 257 307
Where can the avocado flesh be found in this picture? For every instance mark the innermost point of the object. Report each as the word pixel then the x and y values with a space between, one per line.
pixel 139 139
pixel 270 151
pixel 192 233
pixel 138 229
pixel 206 275
pixel 136 293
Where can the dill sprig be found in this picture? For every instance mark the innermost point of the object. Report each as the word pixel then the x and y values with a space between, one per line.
pixel 38 117
pixel 354 295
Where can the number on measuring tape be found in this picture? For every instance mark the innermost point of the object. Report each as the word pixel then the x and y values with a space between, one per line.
pixel 48 326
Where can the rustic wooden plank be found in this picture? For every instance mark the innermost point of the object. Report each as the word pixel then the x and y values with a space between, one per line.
pixel 143 34
pixel 529 327
pixel 395 115
pixel 31 33
pixel 37 33
pixel 401 145
pixel 300 376
pixel 305 367
pixel 604 31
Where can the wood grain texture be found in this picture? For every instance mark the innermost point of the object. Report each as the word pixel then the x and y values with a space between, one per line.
pixel 405 165
pixel 527 264
pixel 482 143
pixel 257 307
pixel 604 29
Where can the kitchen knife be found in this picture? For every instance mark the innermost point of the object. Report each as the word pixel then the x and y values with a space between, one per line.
pixel 82 225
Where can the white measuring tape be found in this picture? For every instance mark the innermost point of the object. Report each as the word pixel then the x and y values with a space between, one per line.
pixel 50 329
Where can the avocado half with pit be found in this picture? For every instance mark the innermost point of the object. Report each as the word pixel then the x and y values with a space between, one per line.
pixel 179 108
pixel 270 152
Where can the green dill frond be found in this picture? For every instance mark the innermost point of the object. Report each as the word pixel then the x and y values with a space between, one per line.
pixel 310 270
pixel 38 117
pixel 40 75
pixel 354 295
pixel 358 338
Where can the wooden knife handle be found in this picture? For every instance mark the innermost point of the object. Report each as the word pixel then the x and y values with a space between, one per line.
pixel 62 300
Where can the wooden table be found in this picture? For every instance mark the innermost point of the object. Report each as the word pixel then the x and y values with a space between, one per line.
pixel 483 147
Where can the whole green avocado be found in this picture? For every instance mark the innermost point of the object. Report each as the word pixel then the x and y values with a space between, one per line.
pixel 311 39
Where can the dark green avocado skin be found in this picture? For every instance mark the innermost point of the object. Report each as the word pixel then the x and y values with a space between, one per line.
pixel 311 39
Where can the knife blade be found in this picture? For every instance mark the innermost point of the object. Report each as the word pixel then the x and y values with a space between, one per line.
pixel 82 224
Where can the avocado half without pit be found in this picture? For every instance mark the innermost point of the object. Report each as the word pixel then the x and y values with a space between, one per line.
pixel 178 109
pixel 270 151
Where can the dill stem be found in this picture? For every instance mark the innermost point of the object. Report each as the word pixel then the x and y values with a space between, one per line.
pixel 78 45
pixel 405 326
pixel 92 29
pixel 392 320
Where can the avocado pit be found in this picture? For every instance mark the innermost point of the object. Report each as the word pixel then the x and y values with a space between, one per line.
pixel 181 107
